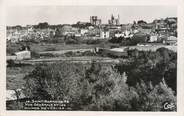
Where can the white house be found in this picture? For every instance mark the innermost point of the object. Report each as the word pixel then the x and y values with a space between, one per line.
pixel 83 31
pixel 77 35
pixel 119 35
pixel 90 27
pixel 128 34
pixel 153 38
pixel 23 55
pixel 171 40
pixel 135 31
pixel 104 34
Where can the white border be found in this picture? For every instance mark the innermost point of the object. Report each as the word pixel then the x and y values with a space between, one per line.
pixel 180 74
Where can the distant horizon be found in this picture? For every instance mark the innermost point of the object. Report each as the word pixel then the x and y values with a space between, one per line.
pixel 56 15
pixel 82 21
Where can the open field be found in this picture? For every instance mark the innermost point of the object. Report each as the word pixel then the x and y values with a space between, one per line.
pixel 15 76
pixel 42 47
pixel 57 46
pixel 65 51
pixel 152 47
pixel 84 59
pixel 60 48
pixel 48 47
pixel 141 48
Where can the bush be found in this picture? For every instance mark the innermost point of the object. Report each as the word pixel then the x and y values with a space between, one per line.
pixel 152 98
pixel 35 54
pixel 71 41
pixel 56 81
pixel 151 66
pixel 116 39
pixel 48 55
pixel 95 87
pixel 88 53
pixel 50 49
pixel 95 41
pixel 70 54
pixel 10 63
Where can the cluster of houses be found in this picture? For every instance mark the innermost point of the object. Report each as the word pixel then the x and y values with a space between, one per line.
pixel 160 30
pixel 15 35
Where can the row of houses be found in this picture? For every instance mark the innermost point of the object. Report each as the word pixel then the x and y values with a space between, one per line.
pixel 17 35
pixel 156 29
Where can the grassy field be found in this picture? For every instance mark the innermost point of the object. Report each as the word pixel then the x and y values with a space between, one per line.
pixel 54 47
pixel 15 76
pixel 154 48
pixel 40 47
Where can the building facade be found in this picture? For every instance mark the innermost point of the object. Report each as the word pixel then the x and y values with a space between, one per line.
pixel 104 34
pixel 95 21
pixel 114 21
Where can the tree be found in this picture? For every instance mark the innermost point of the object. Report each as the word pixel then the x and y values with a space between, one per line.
pixel 54 81
pixel 100 86
pixel 43 25
pixel 91 89
pixel 152 98
pixel 150 66
pixel 141 22
pixel 106 88
pixel 139 38
pixel 18 27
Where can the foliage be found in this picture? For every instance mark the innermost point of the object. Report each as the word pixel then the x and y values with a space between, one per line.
pixel 152 98
pixel 71 40
pixel 42 25
pixel 11 48
pixel 137 38
pixel 116 39
pixel 141 22
pixel 35 54
pixel 151 66
pixel 85 53
pixel 95 87
pixel 96 41
pixel 56 81
pixel 79 25
pixel 10 63
pixel 51 49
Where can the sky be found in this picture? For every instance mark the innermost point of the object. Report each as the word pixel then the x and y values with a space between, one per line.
pixel 30 15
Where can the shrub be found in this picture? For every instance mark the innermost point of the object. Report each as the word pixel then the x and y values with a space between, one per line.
pixel 50 49
pixel 48 55
pixel 69 54
pixel 95 87
pixel 152 98
pixel 88 53
pixel 35 54
pixel 55 80
pixel 95 41
pixel 10 63
pixel 72 82
pixel 151 66
pixel 116 39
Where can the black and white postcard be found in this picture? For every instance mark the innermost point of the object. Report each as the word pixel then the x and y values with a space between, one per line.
pixel 106 57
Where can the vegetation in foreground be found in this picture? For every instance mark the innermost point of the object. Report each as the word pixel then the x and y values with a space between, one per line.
pixel 144 84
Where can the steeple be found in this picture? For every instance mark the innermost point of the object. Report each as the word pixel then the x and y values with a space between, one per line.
pixel 112 17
